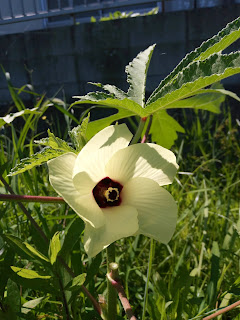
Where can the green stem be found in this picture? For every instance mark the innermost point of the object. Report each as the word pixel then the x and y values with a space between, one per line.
pixel 111 292
pixel 138 133
pixel 150 260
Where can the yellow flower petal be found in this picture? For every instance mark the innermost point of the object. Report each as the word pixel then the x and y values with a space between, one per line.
pixel 60 176
pixel 157 210
pixel 97 152
pixel 143 160
pixel 121 222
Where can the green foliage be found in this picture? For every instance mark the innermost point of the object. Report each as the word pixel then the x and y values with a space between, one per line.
pixel 78 134
pixel 28 273
pixel 55 143
pixel 194 77
pixel 108 100
pixel 164 129
pixel 216 44
pixel 11 116
pixel 183 88
pixel 35 160
pixel 24 248
pixel 137 74
pixel 76 283
pixel 122 15
pixel 54 247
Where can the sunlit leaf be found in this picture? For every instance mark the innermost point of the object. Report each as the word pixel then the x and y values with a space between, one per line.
pixel 216 44
pixel 11 116
pixel 76 282
pixel 137 74
pixel 35 160
pixel 28 274
pixel 30 305
pixel 97 125
pixel 78 134
pixel 54 247
pixel 55 143
pixel 104 99
pixel 164 129
pixel 196 76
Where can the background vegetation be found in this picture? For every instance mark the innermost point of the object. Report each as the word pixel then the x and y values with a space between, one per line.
pixel 198 271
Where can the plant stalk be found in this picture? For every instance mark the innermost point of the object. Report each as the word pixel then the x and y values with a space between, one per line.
pixel 25 198
pixel 221 311
pixel 150 260
pixel 112 277
pixel 111 292
pixel 138 133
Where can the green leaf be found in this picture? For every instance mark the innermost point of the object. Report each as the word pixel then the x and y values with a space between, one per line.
pixel 11 116
pixel 210 101
pixel 213 45
pixel 118 93
pixel 55 143
pixel 212 287
pixel 13 296
pixel 24 248
pixel 104 99
pixel 30 305
pixel 137 74
pixel 97 125
pixel 220 91
pixel 71 235
pixel 35 252
pixel 76 283
pixel 78 134
pixel 28 274
pixel 196 76
pixel 164 129
pixel 54 247
pixel 35 160
pixel 61 106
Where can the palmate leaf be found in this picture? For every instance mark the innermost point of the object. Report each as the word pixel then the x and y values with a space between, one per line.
pixel 118 93
pixel 196 76
pixel 35 160
pixel 207 99
pixel 137 74
pixel 104 99
pixel 55 143
pixel 78 134
pixel 97 125
pixel 213 45
pixel 164 129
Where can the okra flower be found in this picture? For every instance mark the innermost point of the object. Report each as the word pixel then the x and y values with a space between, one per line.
pixel 116 188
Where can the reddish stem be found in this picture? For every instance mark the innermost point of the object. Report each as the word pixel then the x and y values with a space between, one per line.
pixel 214 315
pixel 122 296
pixel 147 130
pixel 18 198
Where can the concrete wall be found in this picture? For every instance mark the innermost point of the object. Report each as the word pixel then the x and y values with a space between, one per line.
pixel 73 55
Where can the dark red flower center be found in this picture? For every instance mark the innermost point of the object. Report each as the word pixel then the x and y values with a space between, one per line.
pixel 107 193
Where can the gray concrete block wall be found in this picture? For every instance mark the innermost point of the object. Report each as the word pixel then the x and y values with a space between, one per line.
pixel 71 56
